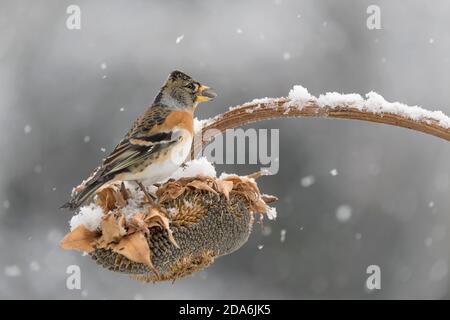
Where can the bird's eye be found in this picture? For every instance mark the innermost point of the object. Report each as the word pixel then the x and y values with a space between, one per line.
pixel 191 86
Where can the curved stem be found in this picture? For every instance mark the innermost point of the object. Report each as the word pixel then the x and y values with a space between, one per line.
pixel 284 108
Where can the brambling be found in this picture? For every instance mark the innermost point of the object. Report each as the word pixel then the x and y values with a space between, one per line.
pixel 158 142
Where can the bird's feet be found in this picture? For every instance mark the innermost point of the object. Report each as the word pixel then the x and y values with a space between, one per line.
pixel 184 165
pixel 150 199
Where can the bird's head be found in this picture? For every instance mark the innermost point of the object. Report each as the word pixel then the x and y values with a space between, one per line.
pixel 182 91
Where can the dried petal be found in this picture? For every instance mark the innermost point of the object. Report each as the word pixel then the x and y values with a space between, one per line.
pixel 201 185
pixel 224 187
pixel 135 247
pixel 113 228
pixel 171 190
pixel 156 219
pixel 112 197
pixel 81 239
pixel 268 198
pixel 137 223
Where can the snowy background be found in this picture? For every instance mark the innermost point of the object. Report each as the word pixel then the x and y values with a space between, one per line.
pixel 65 95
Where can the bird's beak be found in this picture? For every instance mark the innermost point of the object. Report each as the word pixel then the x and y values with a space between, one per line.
pixel 205 94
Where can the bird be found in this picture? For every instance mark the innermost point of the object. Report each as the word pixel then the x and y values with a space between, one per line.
pixel 157 144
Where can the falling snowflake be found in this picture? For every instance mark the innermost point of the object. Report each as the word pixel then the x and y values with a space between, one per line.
pixel 103 66
pixel 343 213
pixel 260 247
pixel 431 40
pixel 283 235
pixel 6 204
pixel 102 149
pixel 334 172
pixel 37 169
pixel 27 129
pixel 86 139
pixel 34 266
pixel 13 271
pixel 431 204
pixel 286 56
pixel 179 39
pixel 307 181
pixel 239 31
pixel 122 109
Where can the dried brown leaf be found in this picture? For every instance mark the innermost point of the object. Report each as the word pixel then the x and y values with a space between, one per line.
pixel 81 239
pixel 268 198
pixel 201 185
pixel 249 189
pixel 259 206
pixel 234 178
pixel 112 196
pixel 225 187
pixel 170 190
pixel 156 219
pixel 113 228
pixel 137 223
pixel 135 247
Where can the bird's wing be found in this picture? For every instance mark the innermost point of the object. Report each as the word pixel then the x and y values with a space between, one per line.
pixel 137 150
pixel 154 116
pixel 141 142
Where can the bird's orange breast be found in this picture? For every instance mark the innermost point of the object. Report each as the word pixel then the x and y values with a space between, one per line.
pixel 183 119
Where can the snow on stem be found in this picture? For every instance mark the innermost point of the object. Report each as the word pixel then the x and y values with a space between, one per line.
pixel 301 104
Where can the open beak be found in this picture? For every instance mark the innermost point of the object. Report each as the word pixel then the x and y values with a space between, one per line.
pixel 205 94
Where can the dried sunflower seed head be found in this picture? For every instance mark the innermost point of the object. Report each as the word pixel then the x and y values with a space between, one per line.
pixel 198 219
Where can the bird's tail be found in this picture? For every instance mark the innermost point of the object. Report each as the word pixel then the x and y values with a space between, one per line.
pixel 81 197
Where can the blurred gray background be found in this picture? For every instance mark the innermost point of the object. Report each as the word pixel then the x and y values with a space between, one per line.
pixel 61 96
